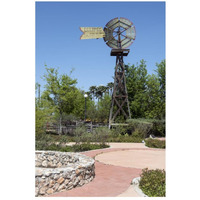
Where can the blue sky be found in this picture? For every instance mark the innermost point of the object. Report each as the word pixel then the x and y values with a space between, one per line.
pixel 58 41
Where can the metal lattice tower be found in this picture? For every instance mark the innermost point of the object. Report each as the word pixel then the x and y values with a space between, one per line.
pixel 119 33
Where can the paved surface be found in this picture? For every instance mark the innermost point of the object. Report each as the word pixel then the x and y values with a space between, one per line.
pixel 109 182
pixel 115 168
pixel 130 192
pixel 147 159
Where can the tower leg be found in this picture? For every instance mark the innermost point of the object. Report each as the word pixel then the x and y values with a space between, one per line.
pixel 120 95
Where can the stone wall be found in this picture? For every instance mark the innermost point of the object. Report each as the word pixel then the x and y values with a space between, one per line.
pixel 60 171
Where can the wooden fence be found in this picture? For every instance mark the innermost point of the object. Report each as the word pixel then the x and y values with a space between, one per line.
pixel 70 127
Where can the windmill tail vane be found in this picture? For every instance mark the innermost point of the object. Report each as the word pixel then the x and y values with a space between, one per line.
pixel 92 33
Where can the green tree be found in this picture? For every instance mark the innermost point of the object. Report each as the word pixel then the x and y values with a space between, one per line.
pixel 110 86
pixel 104 108
pixel 43 113
pixel 136 79
pixel 92 91
pixel 92 111
pixel 161 76
pixel 61 93
pixel 156 93
pixel 154 109
pixel 162 90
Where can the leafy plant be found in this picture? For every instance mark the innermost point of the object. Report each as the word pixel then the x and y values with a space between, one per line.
pixel 73 148
pixel 152 182
pixel 101 135
pixel 146 92
pixel 158 128
pixel 155 143
pixel 78 133
pixel 139 127
pixel 88 146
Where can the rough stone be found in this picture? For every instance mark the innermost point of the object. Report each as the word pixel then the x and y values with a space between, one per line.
pixel 42 190
pixel 61 187
pixel 56 177
pixel 51 183
pixel 81 182
pixel 56 186
pixel 59 164
pixel 37 163
pixel 77 171
pixel 50 191
pixel 60 180
pixel 44 163
pixel 66 181
pixel 54 161
pixel 76 181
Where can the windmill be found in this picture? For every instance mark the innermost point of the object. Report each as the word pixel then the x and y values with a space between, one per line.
pixel 119 34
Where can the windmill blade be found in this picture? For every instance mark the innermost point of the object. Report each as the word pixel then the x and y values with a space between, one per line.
pixel 126 42
pixel 113 44
pixel 113 23
pixel 131 33
pixel 92 33
pixel 125 23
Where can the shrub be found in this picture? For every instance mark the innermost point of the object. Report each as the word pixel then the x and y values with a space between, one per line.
pixel 124 138
pixel 155 143
pixel 139 127
pixel 74 148
pixel 145 127
pixel 86 137
pixel 158 128
pixel 42 140
pixel 152 182
pixel 87 147
pixel 101 135
pixel 79 132
pixel 119 130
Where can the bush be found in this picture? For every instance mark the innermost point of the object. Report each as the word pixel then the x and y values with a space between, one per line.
pixel 87 147
pixel 47 142
pixel 155 143
pixel 74 148
pixel 139 127
pixel 79 131
pixel 42 140
pixel 158 128
pixel 101 135
pixel 145 127
pixel 152 182
pixel 124 138
pixel 122 133
pixel 86 137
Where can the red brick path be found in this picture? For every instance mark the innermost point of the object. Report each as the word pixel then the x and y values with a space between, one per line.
pixel 109 181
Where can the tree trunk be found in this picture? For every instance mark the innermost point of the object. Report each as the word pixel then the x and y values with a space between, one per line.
pixel 60 125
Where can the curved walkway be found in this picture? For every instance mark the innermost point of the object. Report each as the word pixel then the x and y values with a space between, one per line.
pixel 114 172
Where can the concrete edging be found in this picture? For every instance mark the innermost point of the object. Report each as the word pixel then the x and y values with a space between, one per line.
pixel 135 182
